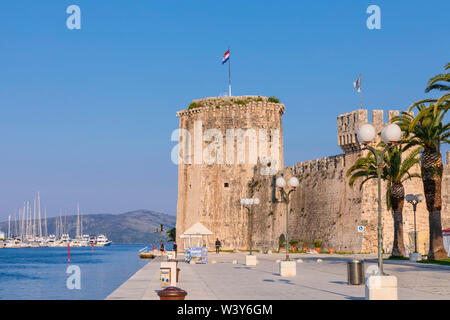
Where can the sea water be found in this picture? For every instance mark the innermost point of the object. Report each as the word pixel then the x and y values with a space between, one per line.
pixel 41 273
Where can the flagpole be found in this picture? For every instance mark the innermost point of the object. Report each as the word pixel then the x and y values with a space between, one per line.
pixel 360 91
pixel 229 72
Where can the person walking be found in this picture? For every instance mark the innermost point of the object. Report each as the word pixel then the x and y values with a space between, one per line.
pixel 175 249
pixel 218 245
pixel 161 248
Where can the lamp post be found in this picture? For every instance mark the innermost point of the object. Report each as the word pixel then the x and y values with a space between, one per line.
pixel 414 199
pixel 247 203
pixel 286 193
pixel 390 134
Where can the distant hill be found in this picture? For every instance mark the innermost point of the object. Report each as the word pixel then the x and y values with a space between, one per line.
pixel 130 227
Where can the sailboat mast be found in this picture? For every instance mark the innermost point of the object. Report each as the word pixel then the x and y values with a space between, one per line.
pixel 81 223
pixel 34 217
pixel 22 222
pixel 15 223
pixel 39 215
pixel 45 223
pixel 78 220
pixel 9 227
pixel 28 220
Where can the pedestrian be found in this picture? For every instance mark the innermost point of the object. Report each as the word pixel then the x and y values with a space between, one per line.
pixel 218 244
pixel 161 248
pixel 175 249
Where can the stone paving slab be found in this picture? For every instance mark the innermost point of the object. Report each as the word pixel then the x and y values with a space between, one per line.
pixel 315 280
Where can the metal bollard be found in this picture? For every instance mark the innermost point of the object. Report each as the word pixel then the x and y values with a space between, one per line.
pixel 355 272
pixel 172 293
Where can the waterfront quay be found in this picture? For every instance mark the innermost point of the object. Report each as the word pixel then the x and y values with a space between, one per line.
pixel 324 279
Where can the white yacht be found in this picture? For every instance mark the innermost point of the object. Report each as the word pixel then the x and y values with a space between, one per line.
pixel 102 241
pixel 51 240
pixel 64 241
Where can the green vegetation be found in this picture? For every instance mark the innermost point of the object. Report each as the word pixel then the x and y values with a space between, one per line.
pixel 172 234
pixel 293 243
pixel 443 262
pixel 317 243
pixel 397 258
pixel 194 105
pixel 304 243
pixel 395 173
pixel 240 101
pixel 429 131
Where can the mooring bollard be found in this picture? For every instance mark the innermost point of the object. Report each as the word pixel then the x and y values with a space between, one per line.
pixel 172 293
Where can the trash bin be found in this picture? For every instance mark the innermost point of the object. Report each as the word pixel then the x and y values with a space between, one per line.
pixel 355 272
pixel 172 293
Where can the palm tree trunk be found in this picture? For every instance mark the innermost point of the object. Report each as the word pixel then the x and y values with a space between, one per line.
pixel 432 179
pixel 397 201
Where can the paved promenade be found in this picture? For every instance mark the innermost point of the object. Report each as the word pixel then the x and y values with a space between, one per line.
pixel 314 280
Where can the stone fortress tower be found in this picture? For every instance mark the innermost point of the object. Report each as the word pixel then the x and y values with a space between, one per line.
pixel 323 207
pixel 222 140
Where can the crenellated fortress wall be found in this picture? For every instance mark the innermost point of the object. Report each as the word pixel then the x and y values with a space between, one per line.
pixel 323 207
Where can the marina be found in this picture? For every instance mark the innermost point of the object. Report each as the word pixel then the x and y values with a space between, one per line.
pixel 31 231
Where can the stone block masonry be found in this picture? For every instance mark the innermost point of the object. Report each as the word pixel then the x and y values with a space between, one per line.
pixel 323 207
pixel 210 193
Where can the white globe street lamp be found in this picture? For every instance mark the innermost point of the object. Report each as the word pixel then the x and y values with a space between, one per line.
pixel 366 133
pixel 247 203
pixel 281 183
pixel 293 183
pixel 390 135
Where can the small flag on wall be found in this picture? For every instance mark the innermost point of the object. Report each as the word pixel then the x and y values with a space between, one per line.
pixel 226 57
pixel 357 83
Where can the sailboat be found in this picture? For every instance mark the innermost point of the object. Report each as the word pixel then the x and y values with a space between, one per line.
pixel 80 240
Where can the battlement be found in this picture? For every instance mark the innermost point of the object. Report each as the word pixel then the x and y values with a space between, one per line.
pixel 328 164
pixel 349 123
pixel 246 103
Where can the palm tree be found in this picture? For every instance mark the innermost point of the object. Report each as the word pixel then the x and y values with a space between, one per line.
pixel 172 234
pixel 395 173
pixel 439 82
pixel 434 83
pixel 428 131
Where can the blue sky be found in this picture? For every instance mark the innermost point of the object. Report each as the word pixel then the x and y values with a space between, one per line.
pixel 86 115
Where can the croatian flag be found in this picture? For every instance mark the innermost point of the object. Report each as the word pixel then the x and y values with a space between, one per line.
pixel 226 57
pixel 357 84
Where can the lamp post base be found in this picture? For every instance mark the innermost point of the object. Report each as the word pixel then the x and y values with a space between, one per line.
pixel 288 268
pixel 250 260
pixel 381 288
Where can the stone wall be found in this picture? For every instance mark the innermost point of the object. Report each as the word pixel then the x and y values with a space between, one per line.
pixel 323 206
pixel 211 193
